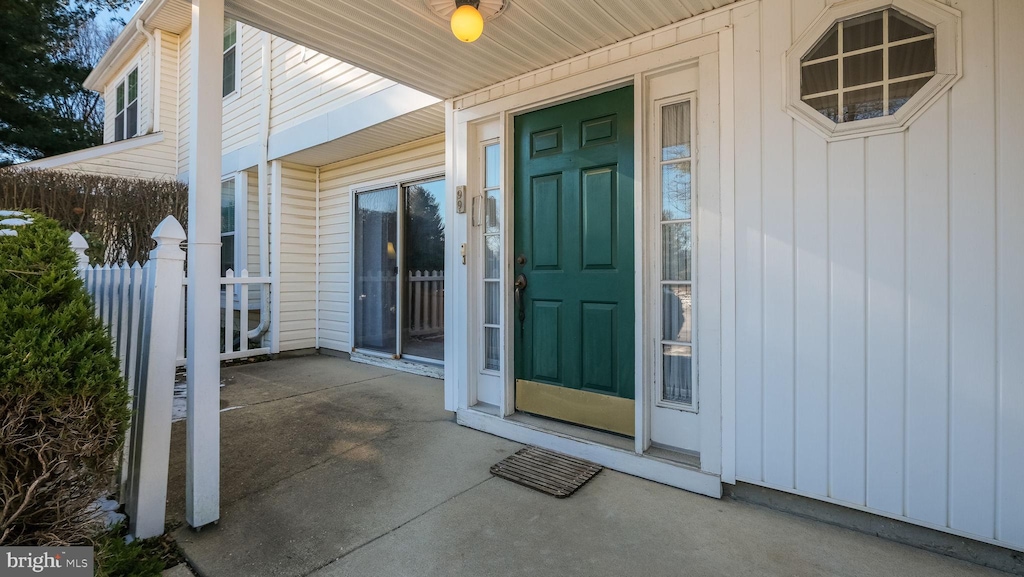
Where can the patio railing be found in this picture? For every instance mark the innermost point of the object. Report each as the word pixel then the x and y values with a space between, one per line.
pixel 241 317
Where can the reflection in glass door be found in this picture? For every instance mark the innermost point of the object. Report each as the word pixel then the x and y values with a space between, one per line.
pixel 423 270
pixel 399 270
pixel 376 270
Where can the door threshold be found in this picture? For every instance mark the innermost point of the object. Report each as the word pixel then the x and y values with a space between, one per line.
pixel 401 364
pixel 575 431
pixel 591 445
pixel 688 458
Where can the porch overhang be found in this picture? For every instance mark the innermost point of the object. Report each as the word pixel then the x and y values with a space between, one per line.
pixel 406 42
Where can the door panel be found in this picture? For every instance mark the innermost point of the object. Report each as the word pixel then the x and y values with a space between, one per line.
pixel 599 218
pixel 546 192
pixel 376 270
pixel 574 226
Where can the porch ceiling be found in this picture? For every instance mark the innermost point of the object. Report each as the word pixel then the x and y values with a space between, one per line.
pixel 423 123
pixel 404 41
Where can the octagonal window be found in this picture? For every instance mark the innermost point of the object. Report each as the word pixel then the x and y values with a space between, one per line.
pixel 867 66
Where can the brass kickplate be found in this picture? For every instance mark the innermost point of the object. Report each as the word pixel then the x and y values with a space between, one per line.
pixel 546 471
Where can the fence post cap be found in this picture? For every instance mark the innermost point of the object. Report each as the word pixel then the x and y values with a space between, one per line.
pixel 169 230
pixel 168 236
pixel 78 241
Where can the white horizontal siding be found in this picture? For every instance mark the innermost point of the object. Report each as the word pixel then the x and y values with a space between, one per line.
pixel 308 84
pixel 297 282
pixel 242 110
pixel 169 88
pixel 252 216
pixel 184 98
pixel 878 289
pixel 152 161
pixel 336 182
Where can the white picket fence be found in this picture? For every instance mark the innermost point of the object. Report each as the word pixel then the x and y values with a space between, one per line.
pixel 425 294
pixel 139 306
pixel 143 308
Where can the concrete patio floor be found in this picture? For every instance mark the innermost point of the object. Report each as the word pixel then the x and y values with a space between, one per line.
pixel 334 468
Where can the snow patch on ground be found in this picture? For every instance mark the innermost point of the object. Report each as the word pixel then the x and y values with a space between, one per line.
pixel 107 509
pixel 13 218
pixel 179 402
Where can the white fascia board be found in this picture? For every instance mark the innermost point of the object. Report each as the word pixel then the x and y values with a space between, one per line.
pixel 118 51
pixel 379 107
pixel 93 152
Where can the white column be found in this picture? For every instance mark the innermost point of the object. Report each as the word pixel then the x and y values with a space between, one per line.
pixel 202 465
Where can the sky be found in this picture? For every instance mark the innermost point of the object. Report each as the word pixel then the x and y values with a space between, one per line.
pixel 123 15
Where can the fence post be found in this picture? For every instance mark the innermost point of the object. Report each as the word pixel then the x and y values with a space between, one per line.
pixel 151 426
pixel 79 245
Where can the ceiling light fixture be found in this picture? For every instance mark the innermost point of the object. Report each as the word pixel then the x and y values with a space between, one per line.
pixel 467 23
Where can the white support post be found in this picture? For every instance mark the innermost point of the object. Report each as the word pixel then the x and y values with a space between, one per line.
pixel 79 245
pixel 151 424
pixel 202 461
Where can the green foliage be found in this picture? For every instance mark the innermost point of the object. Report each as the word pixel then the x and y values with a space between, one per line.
pixel 39 71
pixel 63 402
pixel 116 558
pixel 115 215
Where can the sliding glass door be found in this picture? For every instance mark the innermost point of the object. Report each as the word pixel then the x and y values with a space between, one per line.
pixel 399 270
pixel 376 270
pixel 423 262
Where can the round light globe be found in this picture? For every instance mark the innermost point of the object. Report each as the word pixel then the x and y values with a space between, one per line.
pixel 467 23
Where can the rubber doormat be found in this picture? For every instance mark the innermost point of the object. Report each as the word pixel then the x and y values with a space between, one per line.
pixel 546 471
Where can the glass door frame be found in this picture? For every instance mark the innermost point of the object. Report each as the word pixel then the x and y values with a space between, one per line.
pixel 420 177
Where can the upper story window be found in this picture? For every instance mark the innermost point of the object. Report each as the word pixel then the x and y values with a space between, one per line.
pixel 868 66
pixel 126 119
pixel 872 66
pixel 230 56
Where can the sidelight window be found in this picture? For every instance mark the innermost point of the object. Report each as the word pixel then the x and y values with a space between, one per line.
pixel 492 257
pixel 677 294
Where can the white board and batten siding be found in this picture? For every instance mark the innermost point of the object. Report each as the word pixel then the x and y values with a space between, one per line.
pixel 336 184
pixel 878 282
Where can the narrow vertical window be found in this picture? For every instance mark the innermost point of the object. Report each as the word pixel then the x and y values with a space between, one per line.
pixel 676 159
pixel 126 109
pixel 492 257
pixel 230 57
pixel 132 110
pixel 119 118
pixel 227 226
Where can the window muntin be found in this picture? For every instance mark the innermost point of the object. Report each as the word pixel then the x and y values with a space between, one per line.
pixel 492 257
pixel 868 66
pixel 230 79
pixel 126 116
pixel 677 375
pixel 227 226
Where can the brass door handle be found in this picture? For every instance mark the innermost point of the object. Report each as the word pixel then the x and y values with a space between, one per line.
pixel 520 285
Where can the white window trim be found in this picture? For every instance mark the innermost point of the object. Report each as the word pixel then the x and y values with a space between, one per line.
pixel 237 59
pixel 482 216
pixel 944 20
pixel 138 99
pixel 659 365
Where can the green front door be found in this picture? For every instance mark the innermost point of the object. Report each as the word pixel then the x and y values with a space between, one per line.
pixel 574 248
